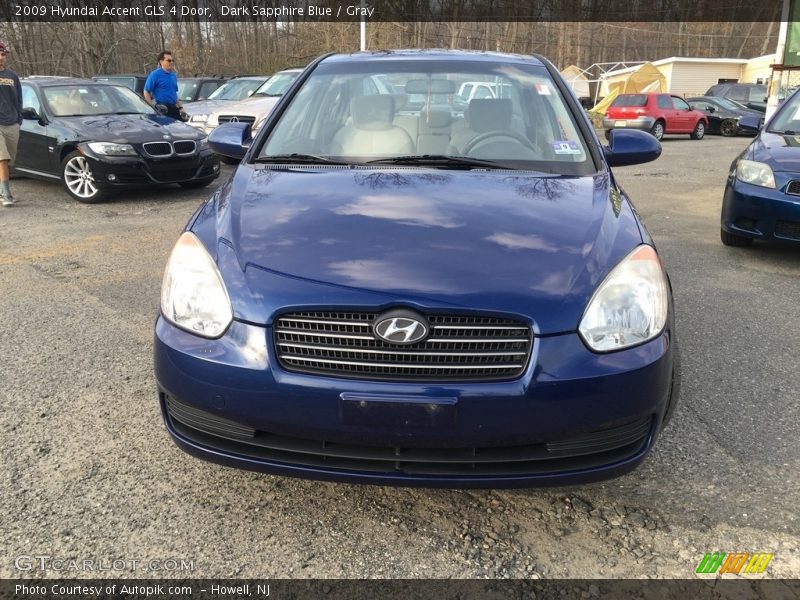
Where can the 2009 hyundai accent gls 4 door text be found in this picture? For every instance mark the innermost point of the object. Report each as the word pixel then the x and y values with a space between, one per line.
pixel 426 295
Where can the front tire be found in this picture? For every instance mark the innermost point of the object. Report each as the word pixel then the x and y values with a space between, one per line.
pixel 699 131
pixel 78 179
pixel 658 130
pixel 728 128
pixel 731 239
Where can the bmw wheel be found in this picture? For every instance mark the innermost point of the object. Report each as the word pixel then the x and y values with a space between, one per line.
pixel 699 131
pixel 658 130
pixel 78 180
pixel 728 128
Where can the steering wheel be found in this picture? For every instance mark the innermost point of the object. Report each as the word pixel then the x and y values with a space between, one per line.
pixel 517 137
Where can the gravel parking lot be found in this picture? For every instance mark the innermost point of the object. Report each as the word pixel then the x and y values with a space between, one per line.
pixel 87 470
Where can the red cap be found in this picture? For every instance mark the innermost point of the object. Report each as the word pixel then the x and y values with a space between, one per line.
pixel 4 47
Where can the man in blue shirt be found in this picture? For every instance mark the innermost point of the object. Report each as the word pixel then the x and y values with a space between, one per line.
pixel 161 87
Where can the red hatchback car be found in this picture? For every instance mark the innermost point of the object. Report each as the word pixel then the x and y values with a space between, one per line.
pixel 656 113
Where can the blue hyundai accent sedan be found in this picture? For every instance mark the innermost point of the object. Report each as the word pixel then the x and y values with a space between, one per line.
pixel 762 194
pixel 442 293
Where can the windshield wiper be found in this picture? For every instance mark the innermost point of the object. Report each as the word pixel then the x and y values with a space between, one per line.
pixel 439 160
pixel 311 159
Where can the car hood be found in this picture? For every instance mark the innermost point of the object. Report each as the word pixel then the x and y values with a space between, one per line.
pixel 781 152
pixel 133 129
pixel 255 106
pixel 503 242
pixel 202 107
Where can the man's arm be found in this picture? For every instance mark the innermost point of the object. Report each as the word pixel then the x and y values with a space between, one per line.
pixel 18 86
pixel 148 97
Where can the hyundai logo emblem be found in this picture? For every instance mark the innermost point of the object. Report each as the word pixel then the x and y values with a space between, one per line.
pixel 401 327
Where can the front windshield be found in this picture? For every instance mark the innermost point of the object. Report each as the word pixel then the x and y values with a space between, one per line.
pixel 86 100
pixel 729 104
pixel 787 120
pixel 277 84
pixel 345 112
pixel 236 89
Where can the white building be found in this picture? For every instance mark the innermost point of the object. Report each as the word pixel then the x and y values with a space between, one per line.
pixel 693 76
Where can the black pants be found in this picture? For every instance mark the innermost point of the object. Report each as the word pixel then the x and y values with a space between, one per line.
pixel 173 111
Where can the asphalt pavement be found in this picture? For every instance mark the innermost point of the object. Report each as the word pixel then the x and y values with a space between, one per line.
pixel 88 472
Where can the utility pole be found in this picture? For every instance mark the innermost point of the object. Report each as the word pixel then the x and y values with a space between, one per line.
pixel 364 25
pixel 775 80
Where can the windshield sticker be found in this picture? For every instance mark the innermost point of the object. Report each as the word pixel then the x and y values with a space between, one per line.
pixel 568 147
pixel 543 89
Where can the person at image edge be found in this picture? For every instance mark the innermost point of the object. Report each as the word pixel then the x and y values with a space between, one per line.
pixel 10 120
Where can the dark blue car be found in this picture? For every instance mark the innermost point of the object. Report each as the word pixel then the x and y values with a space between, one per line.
pixel 420 297
pixel 762 194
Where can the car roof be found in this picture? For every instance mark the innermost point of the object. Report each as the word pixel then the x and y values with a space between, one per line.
pixel 454 55
pixel 48 81
pixel 119 75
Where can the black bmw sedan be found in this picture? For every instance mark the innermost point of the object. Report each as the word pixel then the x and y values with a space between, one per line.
pixel 96 137
pixel 724 116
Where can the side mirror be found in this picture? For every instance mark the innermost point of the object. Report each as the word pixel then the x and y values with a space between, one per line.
pixel 750 122
pixel 29 113
pixel 711 109
pixel 231 139
pixel 630 147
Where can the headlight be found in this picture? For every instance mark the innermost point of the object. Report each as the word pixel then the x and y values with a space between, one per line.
pixel 754 172
pixel 199 118
pixel 213 120
pixel 630 306
pixel 193 296
pixel 109 149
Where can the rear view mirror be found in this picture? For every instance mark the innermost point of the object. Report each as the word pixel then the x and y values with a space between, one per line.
pixel 29 113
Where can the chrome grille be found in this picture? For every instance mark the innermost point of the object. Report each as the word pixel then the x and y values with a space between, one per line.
pixel 236 119
pixel 158 148
pixel 467 348
pixel 793 188
pixel 184 147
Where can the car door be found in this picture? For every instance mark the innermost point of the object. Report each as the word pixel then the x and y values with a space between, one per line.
pixel 666 111
pixel 684 117
pixel 34 142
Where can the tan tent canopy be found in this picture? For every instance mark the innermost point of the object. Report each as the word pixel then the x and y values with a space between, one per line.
pixel 576 79
pixel 645 79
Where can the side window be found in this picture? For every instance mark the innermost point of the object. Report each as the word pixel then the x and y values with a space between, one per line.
pixel 679 103
pixel 664 102
pixel 737 92
pixel 29 98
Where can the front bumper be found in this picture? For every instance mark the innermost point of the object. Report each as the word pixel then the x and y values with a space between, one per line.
pixel 573 417
pixel 762 213
pixel 642 123
pixel 111 171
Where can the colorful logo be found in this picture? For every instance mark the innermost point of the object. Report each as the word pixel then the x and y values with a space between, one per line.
pixel 734 563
